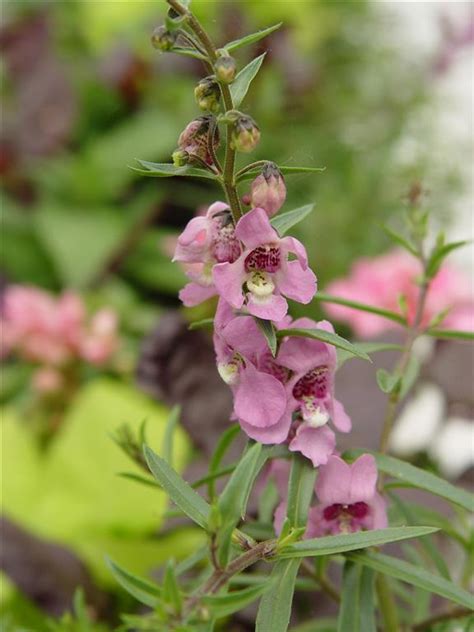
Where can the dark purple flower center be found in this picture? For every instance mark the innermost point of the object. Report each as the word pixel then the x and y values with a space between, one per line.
pixel 337 511
pixel 266 258
pixel 314 383
pixel 268 365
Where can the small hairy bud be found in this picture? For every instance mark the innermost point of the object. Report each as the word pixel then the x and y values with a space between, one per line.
pixel 180 158
pixel 208 94
pixel 245 134
pixel 162 39
pixel 194 139
pixel 225 68
pixel 268 190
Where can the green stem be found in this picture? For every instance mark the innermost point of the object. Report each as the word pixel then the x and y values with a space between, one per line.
pixel 387 605
pixel 252 165
pixel 228 180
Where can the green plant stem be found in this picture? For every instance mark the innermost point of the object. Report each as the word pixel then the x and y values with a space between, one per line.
pixel 387 605
pixel 448 615
pixel 228 180
pixel 221 576
pixel 252 165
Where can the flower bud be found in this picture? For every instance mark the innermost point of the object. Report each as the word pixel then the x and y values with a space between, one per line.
pixel 225 68
pixel 162 39
pixel 208 94
pixel 245 134
pixel 180 158
pixel 268 190
pixel 194 140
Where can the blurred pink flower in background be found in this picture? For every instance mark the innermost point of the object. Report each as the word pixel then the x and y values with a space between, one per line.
pixel 53 331
pixel 381 282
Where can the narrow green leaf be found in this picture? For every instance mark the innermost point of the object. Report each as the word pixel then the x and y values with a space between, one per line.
pixel 182 494
pixel 324 624
pixel 224 605
pixel 143 480
pixel 327 337
pixel 409 376
pixel 332 544
pixel 144 591
pixel 357 612
pixel 241 83
pixel 275 607
pixel 413 574
pixel 252 38
pixel 362 307
pixel 223 445
pixel 300 490
pixel 286 171
pixel 284 221
pixel 198 324
pixel 268 330
pixel 369 348
pixel 439 254
pixel 167 170
pixel 171 594
pixel 451 334
pixel 401 240
pixel 188 52
pixel 194 559
pixel 421 479
pixel 386 381
pixel 171 424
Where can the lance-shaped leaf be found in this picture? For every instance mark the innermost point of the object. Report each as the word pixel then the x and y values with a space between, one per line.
pixel 224 605
pixel 386 381
pixel 300 491
pixel 413 574
pixel 451 334
pixel 284 221
pixel 244 78
pixel 275 607
pixel 268 330
pixel 171 592
pixel 362 307
pixel 285 170
pixel 167 170
pixel 357 611
pixel 188 52
pixel 332 544
pixel 222 446
pixel 401 240
pixel 327 337
pixel 144 591
pixel 422 479
pixel 439 254
pixel 199 324
pixel 252 38
pixel 182 494
pixel 369 348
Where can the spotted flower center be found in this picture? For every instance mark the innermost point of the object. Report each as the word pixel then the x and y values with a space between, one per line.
pixel 311 391
pixel 229 371
pixel 268 365
pixel 265 258
pixel 346 513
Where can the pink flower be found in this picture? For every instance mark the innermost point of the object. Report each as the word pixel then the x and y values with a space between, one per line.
pixel 268 190
pixel 206 241
pixel 348 498
pixel 310 392
pixel 381 281
pixel 100 341
pixel 263 272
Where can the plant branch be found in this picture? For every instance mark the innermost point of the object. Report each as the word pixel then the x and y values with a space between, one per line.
pixel 448 615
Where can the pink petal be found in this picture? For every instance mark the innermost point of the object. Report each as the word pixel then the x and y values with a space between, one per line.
pixel 254 229
pixel 379 509
pixel 228 278
pixel 279 517
pixel 275 434
pixel 303 354
pixel 334 482
pixel 316 444
pixel 216 207
pixel 224 314
pixel 193 241
pixel 274 307
pixel 243 334
pixel 363 479
pixel 340 418
pixel 295 282
pixel 192 294
pixel 290 244
pixel 316 523
pixel 260 399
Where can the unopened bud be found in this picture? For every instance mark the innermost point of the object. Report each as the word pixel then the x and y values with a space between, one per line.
pixel 208 94
pixel 194 139
pixel 162 39
pixel 180 158
pixel 268 190
pixel 225 68
pixel 245 134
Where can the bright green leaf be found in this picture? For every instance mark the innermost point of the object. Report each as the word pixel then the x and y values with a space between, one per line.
pixel 324 336
pixel 201 323
pixel 413 574
pixel 410 375
pixel 284 221
pixel 275 607
pixel 171 593
pixel 268 330
pixel 439 254
pixel 356 612
pixel 188 52
pixel 251 39
pixel 144 591
pixel 332 544
pixel 401 240
pixel 362 307
pixel 241 83
pixel 300 490
pixel 386 381
pixel 224 605
pixel 167 170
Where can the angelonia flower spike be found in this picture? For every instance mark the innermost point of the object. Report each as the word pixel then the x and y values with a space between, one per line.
pixel 245 268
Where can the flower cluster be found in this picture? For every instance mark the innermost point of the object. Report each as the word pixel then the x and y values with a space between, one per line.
pixel 383 280
pixel 54 332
